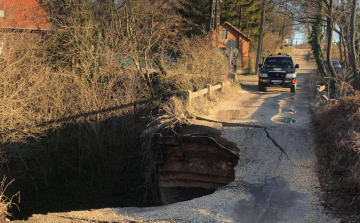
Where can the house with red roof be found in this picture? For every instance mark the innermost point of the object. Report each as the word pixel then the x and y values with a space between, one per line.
pixel 23 15
pixel 228 32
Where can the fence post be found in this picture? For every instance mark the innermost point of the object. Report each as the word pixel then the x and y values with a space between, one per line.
pixel 209 91
pixel 222 87
pixel 187 95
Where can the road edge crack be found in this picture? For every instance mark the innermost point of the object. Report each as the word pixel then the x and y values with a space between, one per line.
pixel 228 124
pixel 276 143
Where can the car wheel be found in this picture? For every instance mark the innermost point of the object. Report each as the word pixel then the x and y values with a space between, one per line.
pixel 261 87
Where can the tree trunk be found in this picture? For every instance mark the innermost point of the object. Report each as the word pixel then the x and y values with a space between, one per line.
pixel 329 24
pixel 240 17
pixel 329 31
pixel 341 46
pixel 258 54
pixel 315 40
pixel 352 50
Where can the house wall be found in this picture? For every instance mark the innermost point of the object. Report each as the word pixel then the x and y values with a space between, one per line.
pixel 232 35
pixel 244 60
pixel 241 43
pixel 23 14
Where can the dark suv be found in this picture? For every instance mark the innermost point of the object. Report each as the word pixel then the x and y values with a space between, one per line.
pixel 278 70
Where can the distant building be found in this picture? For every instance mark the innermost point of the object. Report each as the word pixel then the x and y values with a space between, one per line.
pixel 229 32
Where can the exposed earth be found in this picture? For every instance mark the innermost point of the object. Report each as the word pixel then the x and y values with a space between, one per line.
pixel 276 177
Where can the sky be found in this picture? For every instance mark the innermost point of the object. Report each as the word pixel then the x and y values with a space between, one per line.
pixel 300 37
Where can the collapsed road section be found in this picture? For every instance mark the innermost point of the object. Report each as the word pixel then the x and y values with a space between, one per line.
pixel 192 162
pixel 195 160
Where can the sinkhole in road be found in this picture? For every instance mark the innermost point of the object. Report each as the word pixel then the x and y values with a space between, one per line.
pixel 192 162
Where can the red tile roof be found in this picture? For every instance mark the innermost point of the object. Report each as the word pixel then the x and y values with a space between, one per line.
pixel 23 14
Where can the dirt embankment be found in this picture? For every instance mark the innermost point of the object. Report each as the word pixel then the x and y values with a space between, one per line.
pixel 338 128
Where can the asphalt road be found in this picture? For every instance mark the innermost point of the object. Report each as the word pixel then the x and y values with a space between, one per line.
pixel 276 178
pixel 278 163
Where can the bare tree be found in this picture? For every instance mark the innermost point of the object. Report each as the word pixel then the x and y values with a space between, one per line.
pixel 352 53
pixel 329 14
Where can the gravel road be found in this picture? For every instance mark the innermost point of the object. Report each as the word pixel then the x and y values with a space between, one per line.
pixel 276 178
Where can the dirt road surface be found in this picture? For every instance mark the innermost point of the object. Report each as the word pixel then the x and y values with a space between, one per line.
pixel 276 178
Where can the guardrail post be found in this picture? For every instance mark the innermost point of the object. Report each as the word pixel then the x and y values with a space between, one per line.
pixel 222 89
pixel 187 97
pixel 209 91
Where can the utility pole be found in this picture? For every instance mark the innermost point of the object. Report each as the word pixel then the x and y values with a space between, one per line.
pixel 240 17
pixel 215 21
pixel 212 20
pixel 258 54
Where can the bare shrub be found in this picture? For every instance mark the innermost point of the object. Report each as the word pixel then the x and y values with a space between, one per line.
pixel 339 130
pixel 55 121
pixel 72 111
pixel 200 63
pixel 33 94
pixel 344 87
pixel 273 43
pixel 6 202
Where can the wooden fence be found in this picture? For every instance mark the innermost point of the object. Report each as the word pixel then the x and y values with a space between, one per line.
pixel 320 91
pixel 189 95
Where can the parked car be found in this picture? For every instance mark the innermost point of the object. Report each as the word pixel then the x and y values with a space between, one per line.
pixel 336 64
pixel 278 70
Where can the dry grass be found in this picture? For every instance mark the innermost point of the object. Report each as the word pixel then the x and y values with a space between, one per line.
pixel 338 127
pixel 56 121
pixel 6 202
pixel 200 64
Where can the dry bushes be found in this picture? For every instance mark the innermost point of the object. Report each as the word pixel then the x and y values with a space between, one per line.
pixel 33 94
pixel 273 43
pixel 339 137
pixel 71 112
pixel 6 202
pixel 59 128
pixel 66 128
pixel 200 64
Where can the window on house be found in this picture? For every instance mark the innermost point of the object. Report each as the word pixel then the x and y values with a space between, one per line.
pixel 2 13
pixel 224 34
